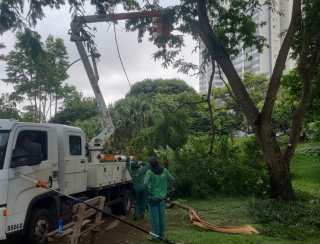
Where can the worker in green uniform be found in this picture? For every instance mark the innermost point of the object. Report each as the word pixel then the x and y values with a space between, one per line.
pixel 138 172
pixel 157 181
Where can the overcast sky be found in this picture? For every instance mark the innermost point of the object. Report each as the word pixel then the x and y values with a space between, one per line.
pixel 137 57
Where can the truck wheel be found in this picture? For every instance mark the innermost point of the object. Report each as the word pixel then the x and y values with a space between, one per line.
pixel 124 207
pixel 39 226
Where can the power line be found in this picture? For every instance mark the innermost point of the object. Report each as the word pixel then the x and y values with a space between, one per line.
pixel 119 54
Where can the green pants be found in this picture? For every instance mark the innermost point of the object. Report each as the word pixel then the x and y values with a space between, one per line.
pixel 141 203
pixel 157 217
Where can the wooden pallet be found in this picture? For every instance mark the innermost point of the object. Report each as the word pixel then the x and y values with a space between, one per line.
pixel 85 221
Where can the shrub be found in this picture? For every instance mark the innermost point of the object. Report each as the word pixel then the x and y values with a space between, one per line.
pixel 313 131
pixel 250 152
pixel 296 221
pixel 309 149
pixel 225 171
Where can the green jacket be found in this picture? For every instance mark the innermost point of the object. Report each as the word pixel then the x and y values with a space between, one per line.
pixel 157 185
pixel 138 175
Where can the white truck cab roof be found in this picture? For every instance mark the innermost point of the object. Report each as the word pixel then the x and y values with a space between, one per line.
pixel 8 124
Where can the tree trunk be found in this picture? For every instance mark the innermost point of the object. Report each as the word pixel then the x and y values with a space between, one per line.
pixel 35 112
pixel 280 178
pixel 299 114
pixel 209 95
pixel 231 137
pixel 278 166
pixel 277 162
pixel 56 105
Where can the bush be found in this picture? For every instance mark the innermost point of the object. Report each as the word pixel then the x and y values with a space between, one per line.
pixel 309 149
pixel 313 131
pixel 295 221
pixel 225 171
pixel 250 152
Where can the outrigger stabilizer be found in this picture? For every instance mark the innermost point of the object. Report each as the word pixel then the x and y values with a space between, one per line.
pixel 44 184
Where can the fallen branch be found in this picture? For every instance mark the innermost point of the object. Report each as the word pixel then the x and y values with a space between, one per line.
pixel 197 221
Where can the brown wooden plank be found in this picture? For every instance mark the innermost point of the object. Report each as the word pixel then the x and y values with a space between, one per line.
pixel 81 223
pixel 89 213
pixel 90 228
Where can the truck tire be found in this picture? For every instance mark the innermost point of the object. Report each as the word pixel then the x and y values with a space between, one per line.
pixel 124 206
pixel 39 226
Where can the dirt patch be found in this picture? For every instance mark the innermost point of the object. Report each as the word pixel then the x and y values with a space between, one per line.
pixel 122 234
pixel 115 232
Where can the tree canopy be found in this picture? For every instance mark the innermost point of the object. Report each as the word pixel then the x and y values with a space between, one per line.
pixel 154 113
pixel 150 87
pixel 8 109
pixel 37 71
pixel 17 14
pixel 76 108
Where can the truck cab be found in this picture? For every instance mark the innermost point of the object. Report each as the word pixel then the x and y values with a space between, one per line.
pixel 49 152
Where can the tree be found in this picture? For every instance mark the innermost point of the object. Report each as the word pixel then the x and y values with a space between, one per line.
pixel 170 124
pixel 142 115
pixel 91 126
pixel 171 127
pixel 130 115
pixel 79 111
pixel 225 29
pixel 158 117
pixel 229 118
pixel 18 14
pixel 37 71
pixel 76 108
pixel 291 94
pixel 58 62
pixel 8 109
pixel 150 87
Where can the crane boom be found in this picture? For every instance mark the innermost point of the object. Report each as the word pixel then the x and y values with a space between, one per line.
pixel 80 37
pixel 92 72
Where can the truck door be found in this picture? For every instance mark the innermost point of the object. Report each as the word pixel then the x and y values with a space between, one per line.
pixel 4 139
pixel 75 163
pixel 20 191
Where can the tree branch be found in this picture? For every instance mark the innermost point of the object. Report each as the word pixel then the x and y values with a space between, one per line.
pixel 298 115
pixel 279 66
pixel 219 53
pixel 227 86
pixel 210 106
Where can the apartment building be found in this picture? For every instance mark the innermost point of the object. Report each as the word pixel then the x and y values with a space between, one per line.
pixel 277 21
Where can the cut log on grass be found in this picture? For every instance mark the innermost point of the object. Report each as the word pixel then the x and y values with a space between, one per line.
pixel 197 221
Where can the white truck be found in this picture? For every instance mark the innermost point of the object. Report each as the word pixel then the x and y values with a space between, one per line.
pixel 57 154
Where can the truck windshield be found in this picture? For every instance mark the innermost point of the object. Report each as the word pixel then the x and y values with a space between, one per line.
pixel 4 135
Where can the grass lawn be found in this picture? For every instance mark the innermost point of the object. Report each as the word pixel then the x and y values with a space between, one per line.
pixel 306 171
pixel 236 211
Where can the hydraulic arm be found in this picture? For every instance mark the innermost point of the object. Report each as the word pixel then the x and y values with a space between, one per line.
pixel 80 37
